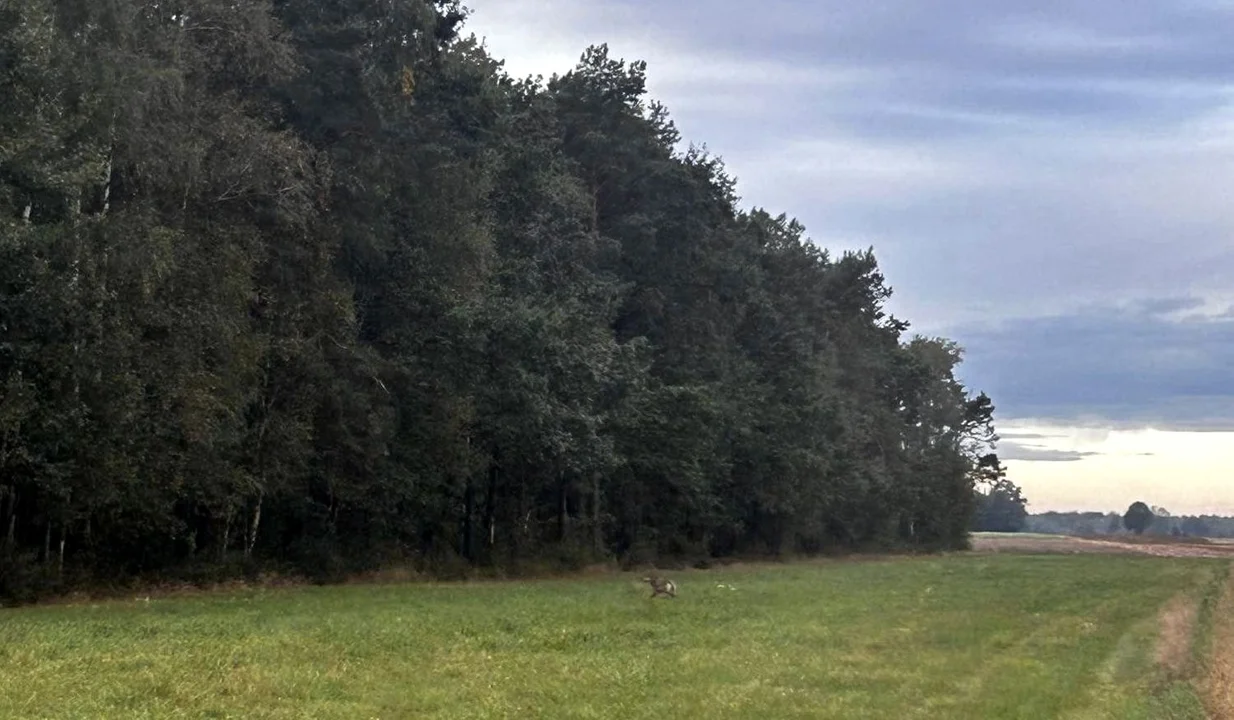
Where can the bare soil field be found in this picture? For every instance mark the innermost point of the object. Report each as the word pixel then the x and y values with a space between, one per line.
pixel 1033 543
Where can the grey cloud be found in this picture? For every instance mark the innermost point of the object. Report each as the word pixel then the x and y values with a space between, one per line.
pixel 1108 367
pixel 1157 307
pixel 1044 238
pixel 1038 179
pixel 1028 453
pixel 1063 163
pixel 1006 38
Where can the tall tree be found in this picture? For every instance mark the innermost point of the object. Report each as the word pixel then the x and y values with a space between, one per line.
pixel 1138 517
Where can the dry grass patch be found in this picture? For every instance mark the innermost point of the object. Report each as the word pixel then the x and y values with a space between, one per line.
pixel 1177 628
pixel 1219 685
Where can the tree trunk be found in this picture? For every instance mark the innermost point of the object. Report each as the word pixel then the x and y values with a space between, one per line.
pixel 469 509
pixel 596 535
pixel 252 539
pixel 107 186
pixel 60 559
pixel 563 511
pixel 595 209
pixel 47 543
pixel 226 535
pixel 490 509
pixel 10 537
pixel 521 530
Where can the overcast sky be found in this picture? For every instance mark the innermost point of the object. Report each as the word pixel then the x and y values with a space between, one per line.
pixel 1049 183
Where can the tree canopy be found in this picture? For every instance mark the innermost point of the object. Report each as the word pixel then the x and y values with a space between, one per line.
pixel 1001 505
pixel 1138 517
pixel 314 283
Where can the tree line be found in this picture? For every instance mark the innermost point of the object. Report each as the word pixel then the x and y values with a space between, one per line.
pixel 316 284
pixel 1139 518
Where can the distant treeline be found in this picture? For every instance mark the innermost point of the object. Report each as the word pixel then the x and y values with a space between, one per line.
pixel 1098 523
pixel 314 284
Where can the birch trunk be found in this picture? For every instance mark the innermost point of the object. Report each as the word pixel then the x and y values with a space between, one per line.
pixel 107 188
pixel 252 541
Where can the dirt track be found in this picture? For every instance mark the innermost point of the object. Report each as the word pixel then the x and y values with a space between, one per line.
pixel 989 542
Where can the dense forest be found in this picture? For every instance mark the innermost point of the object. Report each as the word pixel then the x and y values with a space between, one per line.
pixel 316 285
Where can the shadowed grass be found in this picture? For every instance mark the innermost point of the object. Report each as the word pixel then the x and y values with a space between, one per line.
pixel 959 637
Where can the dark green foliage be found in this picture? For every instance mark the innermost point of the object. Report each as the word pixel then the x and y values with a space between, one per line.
pixel 1138 517
pixel 312 283
pixel 1001 508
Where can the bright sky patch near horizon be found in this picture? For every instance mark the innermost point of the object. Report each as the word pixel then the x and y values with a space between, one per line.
pixel 1045 182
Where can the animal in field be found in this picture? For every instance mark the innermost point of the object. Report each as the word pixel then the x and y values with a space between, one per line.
pixel 661 586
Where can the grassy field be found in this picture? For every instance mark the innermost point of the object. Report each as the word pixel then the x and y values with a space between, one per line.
pixel 966 636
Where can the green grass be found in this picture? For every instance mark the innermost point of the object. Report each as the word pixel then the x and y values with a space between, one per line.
pixel 985 637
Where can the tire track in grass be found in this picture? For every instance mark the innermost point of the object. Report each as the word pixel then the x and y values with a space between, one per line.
pixel 1162 650
pixel 1218 685
pixel 1016 656
pixel 1176 624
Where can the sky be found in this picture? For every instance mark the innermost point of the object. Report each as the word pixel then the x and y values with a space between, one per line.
pixel 1048 183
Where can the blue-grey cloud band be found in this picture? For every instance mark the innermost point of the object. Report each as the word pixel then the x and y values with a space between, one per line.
pixel 1138 366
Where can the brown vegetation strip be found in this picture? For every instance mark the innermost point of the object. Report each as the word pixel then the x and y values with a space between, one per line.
pixel 1177 625
pixel 1219 685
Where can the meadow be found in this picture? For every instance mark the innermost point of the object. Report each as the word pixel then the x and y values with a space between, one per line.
pixel 962 636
